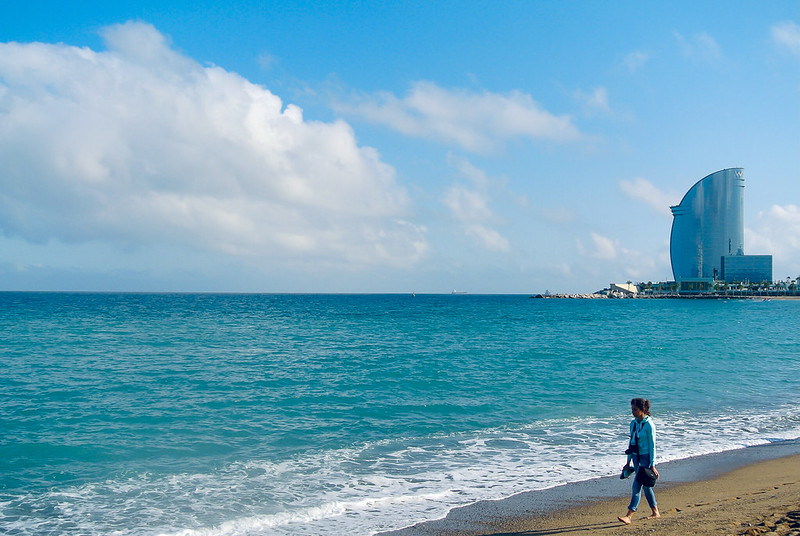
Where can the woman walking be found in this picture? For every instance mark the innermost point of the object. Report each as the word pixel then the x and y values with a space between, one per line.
pixel 642 452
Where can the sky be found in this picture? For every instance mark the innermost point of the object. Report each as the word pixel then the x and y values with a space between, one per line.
pixel 485 147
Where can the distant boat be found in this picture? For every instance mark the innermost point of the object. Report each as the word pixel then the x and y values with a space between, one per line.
pixel 458 291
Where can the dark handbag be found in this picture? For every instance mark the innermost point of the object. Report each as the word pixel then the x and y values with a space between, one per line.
pixel 646 477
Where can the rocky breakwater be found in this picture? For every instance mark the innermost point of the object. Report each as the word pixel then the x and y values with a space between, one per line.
pixel 592 296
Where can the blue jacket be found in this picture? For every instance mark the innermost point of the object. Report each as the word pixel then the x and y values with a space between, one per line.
pixel 645 437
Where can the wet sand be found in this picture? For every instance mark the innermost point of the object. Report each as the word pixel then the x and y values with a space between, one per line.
pixel 763 498
pixel 748 491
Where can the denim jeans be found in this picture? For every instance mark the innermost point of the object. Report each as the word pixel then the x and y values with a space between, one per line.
pixel 636 492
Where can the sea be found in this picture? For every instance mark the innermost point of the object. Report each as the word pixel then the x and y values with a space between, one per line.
pixel 275 414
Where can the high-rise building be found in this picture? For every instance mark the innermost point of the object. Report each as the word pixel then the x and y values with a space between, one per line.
pixel 708 232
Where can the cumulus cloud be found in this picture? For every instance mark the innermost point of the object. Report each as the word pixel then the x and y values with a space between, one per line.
pixel 776 232
pixel 477 122
pixel 609 254
pixel 469 205
pixel 700 46
pixel 643 190
pixel 787 35
pixel 140 144
pixel 602 247
pixel 466 204
pixel 489 238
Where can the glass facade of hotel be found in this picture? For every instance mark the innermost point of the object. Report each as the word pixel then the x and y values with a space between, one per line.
pixel 752 268
pixel 708 225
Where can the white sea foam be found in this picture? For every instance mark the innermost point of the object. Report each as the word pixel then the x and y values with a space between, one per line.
pixel 390 484
pixel 382 485
pixel 307 516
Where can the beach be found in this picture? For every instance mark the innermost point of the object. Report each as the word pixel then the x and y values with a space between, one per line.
pixel 762 497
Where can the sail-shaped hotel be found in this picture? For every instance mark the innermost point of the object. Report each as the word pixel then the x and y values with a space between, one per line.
pixel 707 239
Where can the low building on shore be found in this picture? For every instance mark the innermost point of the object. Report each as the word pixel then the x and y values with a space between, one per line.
pixel 627 289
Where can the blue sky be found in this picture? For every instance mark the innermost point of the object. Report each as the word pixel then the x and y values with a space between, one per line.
pixel 496 147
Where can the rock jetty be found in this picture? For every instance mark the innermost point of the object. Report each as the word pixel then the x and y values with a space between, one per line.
pixel 576 296
pixel 592 296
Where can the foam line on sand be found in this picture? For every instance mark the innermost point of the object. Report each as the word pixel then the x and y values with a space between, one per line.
pixel 750 491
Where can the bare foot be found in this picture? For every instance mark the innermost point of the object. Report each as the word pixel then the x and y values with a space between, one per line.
pixel 655 513
pixel 625 520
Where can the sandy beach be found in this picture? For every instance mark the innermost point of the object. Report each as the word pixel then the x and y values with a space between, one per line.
pixel 763 498
pixel 756 497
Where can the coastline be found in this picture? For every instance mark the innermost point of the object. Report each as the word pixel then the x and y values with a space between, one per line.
pixel 730 492
pixel 596 296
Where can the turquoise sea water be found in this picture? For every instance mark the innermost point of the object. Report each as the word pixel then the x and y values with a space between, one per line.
pixel 204 414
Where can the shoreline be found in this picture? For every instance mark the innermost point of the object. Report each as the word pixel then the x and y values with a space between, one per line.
pixel 595 296
pixel 696 495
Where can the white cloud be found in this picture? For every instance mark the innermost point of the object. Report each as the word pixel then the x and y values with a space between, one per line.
pixel 787 34
pixel 635 60
pixel 643 190
pixel 467 205
pixel 139 144
pixel 700 46
pixel 477 122
pixel 610 257
pixel 777 232
pixel 475 175
pixel 604 247
pixel 489 238
pixel 470 206
pixel 597 100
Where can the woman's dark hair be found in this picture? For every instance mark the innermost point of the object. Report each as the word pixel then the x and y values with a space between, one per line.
pixel 641 404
